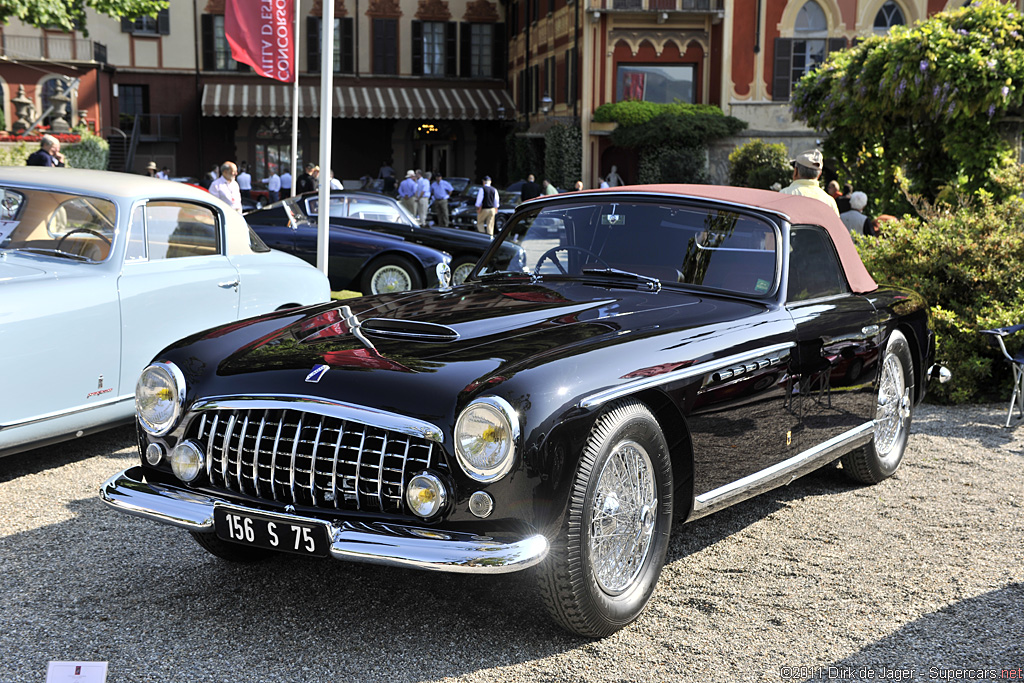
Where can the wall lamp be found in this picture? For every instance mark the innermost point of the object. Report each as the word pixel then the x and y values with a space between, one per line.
pixel 545 104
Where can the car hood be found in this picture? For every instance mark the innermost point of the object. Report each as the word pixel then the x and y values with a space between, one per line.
pixel 400 352
pixel 16 267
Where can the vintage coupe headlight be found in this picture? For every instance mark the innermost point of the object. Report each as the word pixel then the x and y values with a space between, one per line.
pixel 426 495
pixel 160 397
pixel 187 461
pixel 485 438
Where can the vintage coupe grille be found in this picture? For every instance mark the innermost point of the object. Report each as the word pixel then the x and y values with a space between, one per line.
pixel 303 458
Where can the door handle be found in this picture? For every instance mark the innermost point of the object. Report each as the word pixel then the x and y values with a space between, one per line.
pixel 225 285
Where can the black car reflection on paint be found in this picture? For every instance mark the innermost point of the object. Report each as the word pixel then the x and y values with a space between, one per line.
pixel 366 260
pixel 647 355
pixel 382 214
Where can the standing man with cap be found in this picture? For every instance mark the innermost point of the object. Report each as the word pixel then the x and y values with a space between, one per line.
pixel 806 171
pixel 407 192
pixel 440 190
pixel 486 207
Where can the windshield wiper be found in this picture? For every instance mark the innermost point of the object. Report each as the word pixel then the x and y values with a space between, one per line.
pixel 652 283
pixel 53 252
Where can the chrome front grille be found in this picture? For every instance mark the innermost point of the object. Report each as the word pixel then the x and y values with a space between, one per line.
pixel 304 458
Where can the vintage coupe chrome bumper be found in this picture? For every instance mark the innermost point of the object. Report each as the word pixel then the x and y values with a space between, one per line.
pixel 384 543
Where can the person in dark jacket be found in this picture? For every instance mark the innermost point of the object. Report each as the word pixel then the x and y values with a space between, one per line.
pixel 48 153
pixel 306 182
pixel 530 188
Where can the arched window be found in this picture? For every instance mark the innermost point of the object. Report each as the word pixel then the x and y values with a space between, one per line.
pixel 889 15
pixel 810 44
pixel 273 148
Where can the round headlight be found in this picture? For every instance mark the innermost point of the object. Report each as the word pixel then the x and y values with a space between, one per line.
pixel 187 461
pixel 425 495
pixel 485 438
pixel 160 397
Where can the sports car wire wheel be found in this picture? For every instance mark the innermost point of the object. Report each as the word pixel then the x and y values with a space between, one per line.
pixel 391 279
pixel 622 517
pixel 893 405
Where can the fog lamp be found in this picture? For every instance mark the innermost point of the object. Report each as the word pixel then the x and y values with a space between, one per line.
pixel 187 461
pixel 425 495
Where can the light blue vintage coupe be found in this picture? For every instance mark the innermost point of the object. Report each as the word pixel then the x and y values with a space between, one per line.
pixel 98 272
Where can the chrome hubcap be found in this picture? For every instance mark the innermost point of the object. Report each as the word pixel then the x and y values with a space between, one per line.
pixel 391 279
pixel 461 273
pixel 623 517
pixel 893 409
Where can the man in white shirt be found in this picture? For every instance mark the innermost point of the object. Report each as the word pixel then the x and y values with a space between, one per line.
pixel 422 195
pixel 486 207
pixel 286 184
pixel 244 180
pixel 225 187
pixel 273 184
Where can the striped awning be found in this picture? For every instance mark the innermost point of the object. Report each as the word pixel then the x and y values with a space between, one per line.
pixel 360 102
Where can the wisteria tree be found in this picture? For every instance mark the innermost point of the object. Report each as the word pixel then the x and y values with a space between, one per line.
pixel 927 108
pixel 70 14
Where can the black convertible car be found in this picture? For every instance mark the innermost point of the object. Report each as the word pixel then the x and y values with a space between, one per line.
pixel 648 356
pixel 381 214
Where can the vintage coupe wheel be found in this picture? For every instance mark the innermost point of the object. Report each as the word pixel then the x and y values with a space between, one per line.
pixel 390 274
pixel 882 457
pixel 232 552
pixel 604 565
pixel 461 268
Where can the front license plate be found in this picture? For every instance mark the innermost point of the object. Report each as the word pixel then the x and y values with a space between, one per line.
pixel 273 533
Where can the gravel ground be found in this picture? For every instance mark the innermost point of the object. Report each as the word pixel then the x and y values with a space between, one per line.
pixel 818 579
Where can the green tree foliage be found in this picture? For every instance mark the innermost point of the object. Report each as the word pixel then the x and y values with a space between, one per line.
pixel 759 164
pixel 70 14
pixel 919 110
pixel 968 263
pixel 563 152
pixel 671 139
pixel 522 156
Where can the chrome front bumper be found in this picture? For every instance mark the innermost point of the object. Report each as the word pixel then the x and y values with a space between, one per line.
pixel 398 545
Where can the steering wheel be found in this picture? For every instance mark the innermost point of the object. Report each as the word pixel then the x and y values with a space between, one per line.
pixel 551 254
pixel 88 231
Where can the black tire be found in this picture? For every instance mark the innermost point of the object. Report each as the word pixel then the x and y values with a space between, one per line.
pixel 232 552
pixel 499 222
pixel 390 273
pixel 461 267
pixel 583 583
pixel 895 408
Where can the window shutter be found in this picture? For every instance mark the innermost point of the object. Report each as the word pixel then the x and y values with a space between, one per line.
pixel 348 59
pixel 209 61
pixel 163 22
pixel 499 51
pixel 391 45
pixel 313 45
pixel 417 48
pixel 783 69
pixel 451 44
pixel 465 49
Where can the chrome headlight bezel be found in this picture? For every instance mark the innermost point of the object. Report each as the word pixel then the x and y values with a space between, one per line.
pixel 505 422
pixel 175 380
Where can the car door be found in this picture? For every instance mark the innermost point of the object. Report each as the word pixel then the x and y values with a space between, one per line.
pixel 176 279
pixel 838 335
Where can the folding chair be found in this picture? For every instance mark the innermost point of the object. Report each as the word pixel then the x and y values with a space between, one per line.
pixel 1016 362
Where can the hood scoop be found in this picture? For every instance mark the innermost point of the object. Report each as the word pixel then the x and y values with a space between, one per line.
pixel 409 330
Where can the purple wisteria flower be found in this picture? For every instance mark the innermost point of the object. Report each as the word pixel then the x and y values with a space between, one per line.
pixel 924 65
pixel 991 63
pixel 962 32
pixel 1014 34
pixel 991 110
pixel 952 106
pixel 935 91
pixel 1005 90
pixel 901 88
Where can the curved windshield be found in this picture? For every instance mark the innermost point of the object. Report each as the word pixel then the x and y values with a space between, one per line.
pixel 57 223
pixel 673 243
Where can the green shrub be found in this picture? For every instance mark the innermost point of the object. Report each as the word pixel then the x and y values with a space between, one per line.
pixel 16 154
pixel 673 165
pixel 563 158
pixel 969 264
pixel 759 164
pixel 92 152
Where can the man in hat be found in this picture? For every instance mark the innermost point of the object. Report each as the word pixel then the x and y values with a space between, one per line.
pixel 806 171
pixel 151 169
pixel 407 192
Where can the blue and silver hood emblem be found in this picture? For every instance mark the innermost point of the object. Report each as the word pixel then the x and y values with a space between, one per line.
pixel 317 373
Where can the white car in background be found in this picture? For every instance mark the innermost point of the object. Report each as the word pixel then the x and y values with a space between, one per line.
pixel 98 272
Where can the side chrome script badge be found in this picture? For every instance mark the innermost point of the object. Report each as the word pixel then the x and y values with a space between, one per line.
pixel 317 373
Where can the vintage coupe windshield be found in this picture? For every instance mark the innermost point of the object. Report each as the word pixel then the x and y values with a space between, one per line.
pixel 689 245
pixel 57 224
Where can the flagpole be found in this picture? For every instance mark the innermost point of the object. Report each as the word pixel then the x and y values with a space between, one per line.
pixel 295 101
pixel 326 114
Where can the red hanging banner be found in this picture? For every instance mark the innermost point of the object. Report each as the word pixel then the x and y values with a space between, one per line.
pixel 261 35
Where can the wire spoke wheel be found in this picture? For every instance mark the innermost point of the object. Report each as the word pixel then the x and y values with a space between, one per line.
pixel 893 406
pixel 622 517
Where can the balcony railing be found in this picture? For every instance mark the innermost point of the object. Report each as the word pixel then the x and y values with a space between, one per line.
pixel 690 6
pixel 57 48
pixel 154 127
